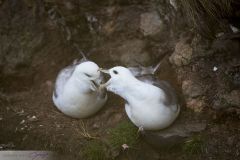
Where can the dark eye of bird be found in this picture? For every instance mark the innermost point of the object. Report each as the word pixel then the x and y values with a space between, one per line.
pixel 87 75
pixel 115 72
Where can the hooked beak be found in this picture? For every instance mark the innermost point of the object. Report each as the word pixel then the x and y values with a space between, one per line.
pixel 104 70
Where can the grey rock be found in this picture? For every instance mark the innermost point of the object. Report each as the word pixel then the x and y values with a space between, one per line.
pixel 182 54
pixel 183 130
pixel 233 98
pixel 19 53
pixel 197 104
pixel 121 21
pixel 193 93
pixel 150 23
pixel 178 133
pixel 192 89
pixel 129 52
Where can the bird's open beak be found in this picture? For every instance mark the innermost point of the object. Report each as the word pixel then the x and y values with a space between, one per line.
pixel 104 70
pixel 95 83
pixel 108 82
pixel 93 87
pixel 105 84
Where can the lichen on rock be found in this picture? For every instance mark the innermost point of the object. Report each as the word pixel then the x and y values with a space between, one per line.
pixel 182 54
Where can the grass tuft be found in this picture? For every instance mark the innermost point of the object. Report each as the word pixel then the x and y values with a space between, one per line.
pixel 94 150
pixel 194 146
pixel 124 133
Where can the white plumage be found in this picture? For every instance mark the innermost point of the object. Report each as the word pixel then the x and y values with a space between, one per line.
pixel 76 91
pixel 151 105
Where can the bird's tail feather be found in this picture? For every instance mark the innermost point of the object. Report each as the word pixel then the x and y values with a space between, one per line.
pixel 156 67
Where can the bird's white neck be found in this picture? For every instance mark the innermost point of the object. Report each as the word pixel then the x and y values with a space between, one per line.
pixel 134 89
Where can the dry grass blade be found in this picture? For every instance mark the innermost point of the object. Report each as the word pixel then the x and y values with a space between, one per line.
pixel 210 12
pixel 84 132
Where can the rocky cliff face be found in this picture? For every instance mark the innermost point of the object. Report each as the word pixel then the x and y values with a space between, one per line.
pixel 38 38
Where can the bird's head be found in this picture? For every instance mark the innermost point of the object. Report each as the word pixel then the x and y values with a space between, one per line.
pixel 89 72
pixel 120 78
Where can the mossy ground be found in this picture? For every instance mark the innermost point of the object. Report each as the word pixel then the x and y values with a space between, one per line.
pixel 194 146
pixel 94 150
pixel 124 133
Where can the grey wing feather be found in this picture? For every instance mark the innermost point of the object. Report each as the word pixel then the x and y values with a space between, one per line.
pixel 146 78
pixel 171 96
pixel 63 77
pixel 77 61
pixel 140 71
pixel 136 71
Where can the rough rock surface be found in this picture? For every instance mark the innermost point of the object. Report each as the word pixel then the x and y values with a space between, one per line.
pixel 182 54
pixel 150 23
pixel 191 89
pixel 233 98
pixel 130 51
pixel 197 105
pixel 184 127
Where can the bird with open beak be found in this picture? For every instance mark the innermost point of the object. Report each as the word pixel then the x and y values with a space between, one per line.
pixel 150 104
pixel 77 93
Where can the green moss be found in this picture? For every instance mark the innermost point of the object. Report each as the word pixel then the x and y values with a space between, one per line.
pixel 194 145
pixel 94 150
pixel 124 133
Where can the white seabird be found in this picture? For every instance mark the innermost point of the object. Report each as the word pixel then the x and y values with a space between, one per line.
pixel 76 92
pixel 150 104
